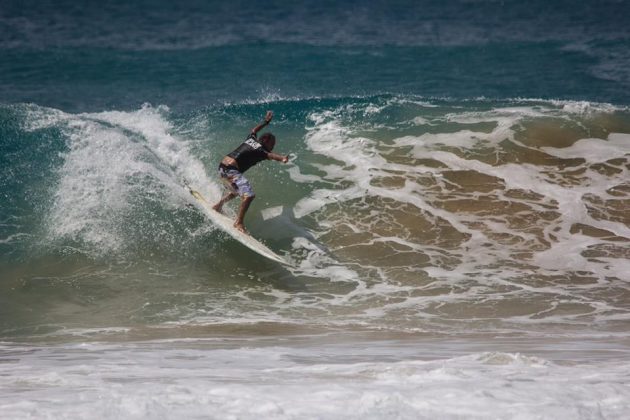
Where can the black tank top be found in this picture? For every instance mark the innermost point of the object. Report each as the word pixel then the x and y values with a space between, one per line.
pixel 249 153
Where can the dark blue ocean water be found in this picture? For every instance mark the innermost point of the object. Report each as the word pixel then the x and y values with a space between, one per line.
pixel 94 56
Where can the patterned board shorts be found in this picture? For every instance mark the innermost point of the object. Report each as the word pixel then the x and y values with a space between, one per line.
pixel 236 182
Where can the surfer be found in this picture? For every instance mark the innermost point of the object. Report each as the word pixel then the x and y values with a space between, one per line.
pixel 232 167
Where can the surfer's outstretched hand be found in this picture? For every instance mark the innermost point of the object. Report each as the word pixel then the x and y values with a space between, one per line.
pixel 268 116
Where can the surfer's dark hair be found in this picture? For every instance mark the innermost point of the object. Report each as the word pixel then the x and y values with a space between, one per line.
pixel 268 139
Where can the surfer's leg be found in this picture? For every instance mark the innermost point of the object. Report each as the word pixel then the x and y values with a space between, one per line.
pixel 242 187
pixel 227 197
pixel 246 200
pixel 228 178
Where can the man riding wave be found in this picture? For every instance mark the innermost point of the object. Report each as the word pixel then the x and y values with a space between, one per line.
pixel 232 167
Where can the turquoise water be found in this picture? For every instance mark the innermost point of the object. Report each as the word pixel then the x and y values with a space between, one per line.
pixel 455 207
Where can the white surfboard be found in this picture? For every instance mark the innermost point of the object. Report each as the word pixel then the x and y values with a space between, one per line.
pixel 227 225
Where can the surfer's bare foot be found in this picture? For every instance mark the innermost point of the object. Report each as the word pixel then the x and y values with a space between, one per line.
pixel 217 208
pixel 240 227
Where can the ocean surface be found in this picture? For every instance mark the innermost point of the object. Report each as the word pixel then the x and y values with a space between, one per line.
pixel 456 208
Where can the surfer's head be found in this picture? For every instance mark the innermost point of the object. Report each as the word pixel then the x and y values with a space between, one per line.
pixel 268 140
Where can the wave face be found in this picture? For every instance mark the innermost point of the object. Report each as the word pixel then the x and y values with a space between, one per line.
pixel 399 213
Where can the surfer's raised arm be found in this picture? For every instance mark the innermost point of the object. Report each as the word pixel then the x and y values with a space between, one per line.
pixel 269 143
pixel 264 123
